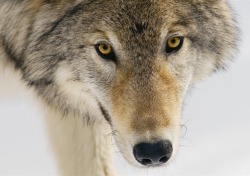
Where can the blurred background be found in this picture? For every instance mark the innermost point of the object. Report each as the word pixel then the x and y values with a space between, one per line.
pixel 216 140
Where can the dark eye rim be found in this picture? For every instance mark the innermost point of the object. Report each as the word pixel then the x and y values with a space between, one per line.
pixel 170 50
pixel 109 57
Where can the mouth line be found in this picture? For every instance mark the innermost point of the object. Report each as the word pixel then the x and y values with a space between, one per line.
pixel 105 113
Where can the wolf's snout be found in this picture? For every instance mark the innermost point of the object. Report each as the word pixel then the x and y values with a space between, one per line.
pixel 153 154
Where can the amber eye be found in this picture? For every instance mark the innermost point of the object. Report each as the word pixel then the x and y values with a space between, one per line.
pixel 174 44
pixel 105 50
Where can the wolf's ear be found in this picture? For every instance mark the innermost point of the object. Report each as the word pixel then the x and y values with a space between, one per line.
pixel 217 37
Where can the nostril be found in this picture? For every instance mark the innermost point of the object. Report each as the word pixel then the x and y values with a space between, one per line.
pixel 164 159
pixel 146 161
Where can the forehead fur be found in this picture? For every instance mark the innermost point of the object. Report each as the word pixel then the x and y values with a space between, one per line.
pixel 146 18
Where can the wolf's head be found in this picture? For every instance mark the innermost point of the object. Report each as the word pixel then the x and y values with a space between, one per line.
pixel 129 62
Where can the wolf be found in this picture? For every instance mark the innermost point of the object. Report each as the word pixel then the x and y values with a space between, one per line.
pixel 114 67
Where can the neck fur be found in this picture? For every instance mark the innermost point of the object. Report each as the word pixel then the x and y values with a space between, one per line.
pixel 81 150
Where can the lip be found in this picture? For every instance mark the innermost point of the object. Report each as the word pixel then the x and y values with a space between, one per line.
pixel 105 113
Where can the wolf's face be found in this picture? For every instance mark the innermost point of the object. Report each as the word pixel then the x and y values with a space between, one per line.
pixel 130 62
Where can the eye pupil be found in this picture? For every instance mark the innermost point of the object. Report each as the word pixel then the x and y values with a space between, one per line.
pixel 173 41
pixel 105 47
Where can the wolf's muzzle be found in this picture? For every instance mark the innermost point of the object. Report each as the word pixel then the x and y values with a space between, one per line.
pixel 153 154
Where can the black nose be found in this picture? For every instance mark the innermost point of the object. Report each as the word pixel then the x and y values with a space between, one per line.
pixel 153 154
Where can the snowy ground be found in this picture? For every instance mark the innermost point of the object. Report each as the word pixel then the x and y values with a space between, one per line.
pixel 217 116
